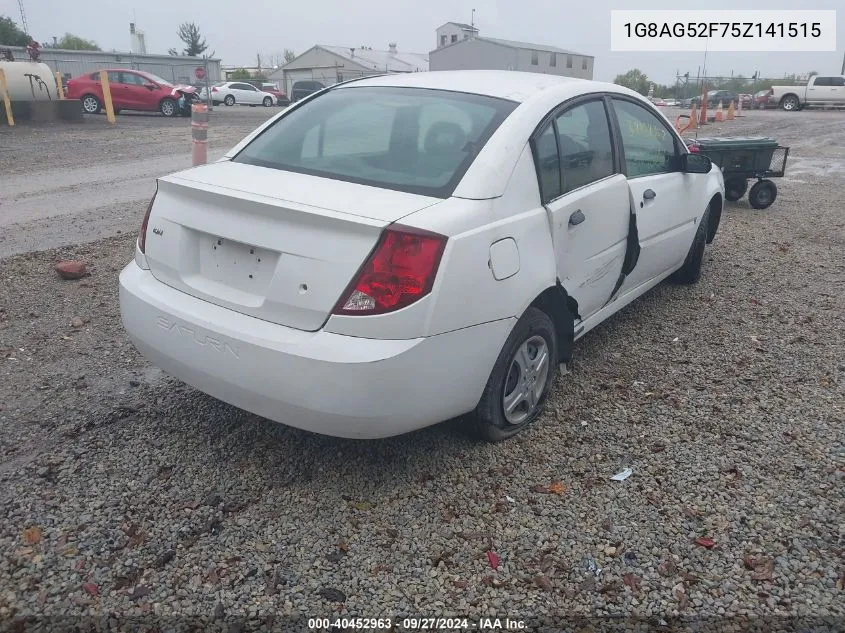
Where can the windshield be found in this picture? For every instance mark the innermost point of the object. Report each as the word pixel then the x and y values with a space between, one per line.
pixel 409 139
pixel 158 79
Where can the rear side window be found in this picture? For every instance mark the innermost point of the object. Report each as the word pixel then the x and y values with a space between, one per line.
pixel 415 140
pixel 648 145
pixel 548 164
pixel 837 81
pixel 586 153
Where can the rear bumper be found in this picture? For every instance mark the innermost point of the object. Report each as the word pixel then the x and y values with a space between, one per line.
pixel 318 381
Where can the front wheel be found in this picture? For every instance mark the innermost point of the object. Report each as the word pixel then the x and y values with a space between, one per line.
pixel 690 272
pixel 229 100
pixel 168 107
pixel 268 102
pixel 763 194
pixel 521 378
pixel 735 188
pixel 790 103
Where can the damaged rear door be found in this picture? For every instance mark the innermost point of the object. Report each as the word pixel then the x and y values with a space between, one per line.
pixel 587 198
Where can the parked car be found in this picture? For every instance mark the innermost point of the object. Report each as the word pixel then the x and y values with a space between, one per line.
pixel 238 92
pixel 273 89
pixel 715 97
pixel 658 101
pixel 746 100
pixel 130 90
pixel 819 91
pixel 302 89
pixel 671 103
pixel 359 279
pixel 763 99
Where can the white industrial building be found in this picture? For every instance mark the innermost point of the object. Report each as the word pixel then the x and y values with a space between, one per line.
pixel 332 64
pixel 460 47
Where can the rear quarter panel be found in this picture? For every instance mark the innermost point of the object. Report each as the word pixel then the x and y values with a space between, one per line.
pixel 465 292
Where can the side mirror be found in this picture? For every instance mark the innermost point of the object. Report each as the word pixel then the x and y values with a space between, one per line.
pixel 695 163
pixel 150 86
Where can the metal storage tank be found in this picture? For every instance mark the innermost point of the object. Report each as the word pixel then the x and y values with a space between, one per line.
pixel 29 81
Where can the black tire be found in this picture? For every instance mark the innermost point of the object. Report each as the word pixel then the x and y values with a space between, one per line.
pixel 229 100
pixel 491 421
pixel 168 107
pixel 91 104
pixel 790 103
pixel 690 272
pixel 268 102
pixel 735 188
pixel 762 194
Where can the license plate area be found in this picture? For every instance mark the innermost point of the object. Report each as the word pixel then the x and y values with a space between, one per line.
pixel 236 265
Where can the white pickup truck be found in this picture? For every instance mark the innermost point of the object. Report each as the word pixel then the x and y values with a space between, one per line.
pixel 819 91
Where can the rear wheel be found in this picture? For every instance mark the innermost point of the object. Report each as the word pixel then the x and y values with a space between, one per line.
pixel 790 103
pixel 763 194
pixel 735 188
pixel 168 107
pixel 91 104
pixel 521 378
pixel 268 102
pixel 229 100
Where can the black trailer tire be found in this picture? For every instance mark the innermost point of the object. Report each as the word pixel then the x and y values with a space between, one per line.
pixel 735 188
pixel 763 194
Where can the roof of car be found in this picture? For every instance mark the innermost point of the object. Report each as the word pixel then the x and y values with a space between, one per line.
pixel 504 84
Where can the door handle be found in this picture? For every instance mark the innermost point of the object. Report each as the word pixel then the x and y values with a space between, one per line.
pixel 576 218
pixel 649 194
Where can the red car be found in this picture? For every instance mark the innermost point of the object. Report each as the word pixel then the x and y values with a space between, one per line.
pixel 281 97
pixel 130 90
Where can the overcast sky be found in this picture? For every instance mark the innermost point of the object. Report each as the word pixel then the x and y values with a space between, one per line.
pixel 238 30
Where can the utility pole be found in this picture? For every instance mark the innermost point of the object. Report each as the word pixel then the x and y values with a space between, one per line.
pixel 23 17
pixel 471 20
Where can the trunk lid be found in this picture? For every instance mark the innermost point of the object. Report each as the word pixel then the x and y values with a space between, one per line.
pixel 276 245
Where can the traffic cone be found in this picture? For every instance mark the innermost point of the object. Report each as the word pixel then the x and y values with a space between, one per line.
pixel 731 112
pixel 720 115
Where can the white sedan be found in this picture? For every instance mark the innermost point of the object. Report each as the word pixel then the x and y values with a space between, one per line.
pixel 400 250
pixel 236 92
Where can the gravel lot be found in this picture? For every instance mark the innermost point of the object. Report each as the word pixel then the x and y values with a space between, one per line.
pixel 125 492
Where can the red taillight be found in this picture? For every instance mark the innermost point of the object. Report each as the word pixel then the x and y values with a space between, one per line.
pixel 400 271
pixel 142 234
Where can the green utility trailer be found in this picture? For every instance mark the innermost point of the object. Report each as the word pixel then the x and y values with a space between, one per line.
pixel 743 158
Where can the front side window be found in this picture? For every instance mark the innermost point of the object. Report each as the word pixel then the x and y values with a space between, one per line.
pixel 114 77
pixel 586 152
pixel 648 145
pixel 414 140
pixel 822 81
pixel 133 79
pixel 837 81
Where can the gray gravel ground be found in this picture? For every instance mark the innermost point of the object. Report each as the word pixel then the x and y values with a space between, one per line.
pixel 125 492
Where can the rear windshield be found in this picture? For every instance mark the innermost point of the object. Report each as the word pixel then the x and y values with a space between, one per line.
pixel 408 139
